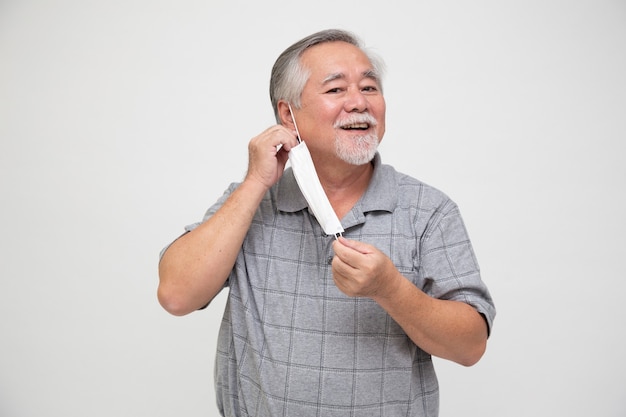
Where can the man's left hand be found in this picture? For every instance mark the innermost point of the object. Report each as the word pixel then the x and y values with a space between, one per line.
pixel 361 270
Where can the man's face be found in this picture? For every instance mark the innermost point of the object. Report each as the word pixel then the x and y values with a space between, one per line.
pixel 343 109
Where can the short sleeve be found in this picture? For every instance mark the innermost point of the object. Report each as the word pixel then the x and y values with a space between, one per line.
pixel 448 264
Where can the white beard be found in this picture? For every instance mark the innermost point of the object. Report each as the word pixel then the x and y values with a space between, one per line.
pixel 357 151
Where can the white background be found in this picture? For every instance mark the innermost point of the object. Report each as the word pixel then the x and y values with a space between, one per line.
pixel 122 121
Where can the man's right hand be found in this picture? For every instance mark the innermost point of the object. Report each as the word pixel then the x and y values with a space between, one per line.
pixel 268 154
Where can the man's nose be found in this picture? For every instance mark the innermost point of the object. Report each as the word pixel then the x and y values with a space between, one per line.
pixel 355 101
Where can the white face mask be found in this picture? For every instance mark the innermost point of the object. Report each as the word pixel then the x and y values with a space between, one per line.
pixel 311 188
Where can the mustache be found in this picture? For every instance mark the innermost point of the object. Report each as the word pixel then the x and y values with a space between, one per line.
pixel 357 118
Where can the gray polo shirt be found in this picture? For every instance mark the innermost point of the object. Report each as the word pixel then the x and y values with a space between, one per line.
pixel 292 344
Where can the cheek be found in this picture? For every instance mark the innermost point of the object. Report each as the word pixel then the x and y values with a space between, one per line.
pixel 380 131
pixel 330 111
pixel 380 117
pixel 324 114
pixel 382 108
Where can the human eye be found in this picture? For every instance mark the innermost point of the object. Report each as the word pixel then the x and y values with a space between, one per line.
pixel 334 90
pixel 370 88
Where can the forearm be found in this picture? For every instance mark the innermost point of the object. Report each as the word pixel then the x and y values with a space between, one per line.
pixel 447 329
pixel 195 267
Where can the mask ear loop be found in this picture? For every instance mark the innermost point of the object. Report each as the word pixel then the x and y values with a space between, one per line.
pixel 294 122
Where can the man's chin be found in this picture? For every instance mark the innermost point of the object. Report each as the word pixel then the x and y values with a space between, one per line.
pixel 357 151
pixel 358 158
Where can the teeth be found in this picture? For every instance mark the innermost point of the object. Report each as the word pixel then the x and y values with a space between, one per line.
pixel 356 121
pixel 356 126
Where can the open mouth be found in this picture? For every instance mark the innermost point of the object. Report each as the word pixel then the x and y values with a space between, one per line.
pixel 356 126
pixel 360 122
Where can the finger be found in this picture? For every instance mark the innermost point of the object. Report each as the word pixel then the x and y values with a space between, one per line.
pixel 347 255
pixel 341 268
pixel 277 136
pixel 356 245
pixel 282 137
pixel 283 155
pixel 291 141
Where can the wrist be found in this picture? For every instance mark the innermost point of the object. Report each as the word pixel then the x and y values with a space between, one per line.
pixel 392 288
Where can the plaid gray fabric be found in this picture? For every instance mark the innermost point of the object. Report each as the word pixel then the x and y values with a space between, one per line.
pixel 291 344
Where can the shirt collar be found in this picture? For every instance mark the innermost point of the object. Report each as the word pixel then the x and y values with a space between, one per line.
pixel 380 193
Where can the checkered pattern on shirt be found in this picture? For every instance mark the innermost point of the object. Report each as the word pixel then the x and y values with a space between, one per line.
pixel 291 344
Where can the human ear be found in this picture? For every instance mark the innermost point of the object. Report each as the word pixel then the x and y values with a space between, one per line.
pixel 286 119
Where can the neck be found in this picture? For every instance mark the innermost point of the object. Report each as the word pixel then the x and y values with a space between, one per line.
pixel 344 185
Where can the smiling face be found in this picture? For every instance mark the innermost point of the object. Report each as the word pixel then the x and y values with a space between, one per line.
pixel 342 114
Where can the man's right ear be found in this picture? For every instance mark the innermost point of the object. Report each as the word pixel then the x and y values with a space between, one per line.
pixel 284 113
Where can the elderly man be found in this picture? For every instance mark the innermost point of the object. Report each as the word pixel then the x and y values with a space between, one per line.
pixel 323 325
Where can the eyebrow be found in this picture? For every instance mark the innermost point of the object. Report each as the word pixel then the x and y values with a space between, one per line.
pixel 370 73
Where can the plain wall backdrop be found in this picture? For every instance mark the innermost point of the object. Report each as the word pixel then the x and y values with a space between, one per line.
pixel 122 121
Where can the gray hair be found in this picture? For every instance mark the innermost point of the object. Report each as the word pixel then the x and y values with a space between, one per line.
pixel 289 76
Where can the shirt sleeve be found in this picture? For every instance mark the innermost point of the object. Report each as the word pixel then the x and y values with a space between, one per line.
pixel 448 264
pixel 207 215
